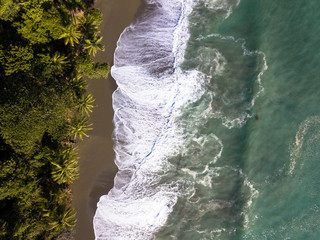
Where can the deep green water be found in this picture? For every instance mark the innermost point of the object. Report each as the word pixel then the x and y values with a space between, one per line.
pixel 250 166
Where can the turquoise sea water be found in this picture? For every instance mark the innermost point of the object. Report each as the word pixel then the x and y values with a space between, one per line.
pixel 250 165
pixel 217 123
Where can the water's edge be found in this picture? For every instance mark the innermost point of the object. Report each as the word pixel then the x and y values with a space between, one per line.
pixel 116 216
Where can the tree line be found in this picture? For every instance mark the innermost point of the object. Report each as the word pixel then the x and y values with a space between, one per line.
pixel 46 49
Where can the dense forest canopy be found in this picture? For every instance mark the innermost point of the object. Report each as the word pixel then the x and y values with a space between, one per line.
pixel 46 48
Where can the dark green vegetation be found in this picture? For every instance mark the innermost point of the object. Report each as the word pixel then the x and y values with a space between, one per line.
pixel 45 48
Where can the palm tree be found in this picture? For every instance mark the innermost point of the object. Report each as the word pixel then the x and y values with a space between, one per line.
pixel 78 84
pixel 68 218
pixel 65 167
pixel 88 24
pixel 59 61
pixel 65 220
pixel 94 45
pixel 85 104
pixel 79 128
pixel 71 35
pixel 62 196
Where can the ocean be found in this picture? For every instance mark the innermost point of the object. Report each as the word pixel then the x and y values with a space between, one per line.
pixel 217 123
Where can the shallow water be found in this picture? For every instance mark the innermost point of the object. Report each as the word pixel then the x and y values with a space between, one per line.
pixel 217 124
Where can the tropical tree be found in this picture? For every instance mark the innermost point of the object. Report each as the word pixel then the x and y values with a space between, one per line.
pixel 74 5
pixel 78 84
pixel 68 219
pixel 85 104
pixel 59 61
pixel 61 196
pixel 36 23
pixel 8 10
pixel 65 168
pixel 94 45
pixel 79 128
pixel 71 35
pixel 88 24
pixel 90 21
pixel 62 219
pixel 89 68
pixel 43 101
pixel 16 58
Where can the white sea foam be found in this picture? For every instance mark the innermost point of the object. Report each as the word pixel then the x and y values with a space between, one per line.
pixel 225 5
pixel 218 66
pixel 253 193
pixel 151 91
pixel 295 148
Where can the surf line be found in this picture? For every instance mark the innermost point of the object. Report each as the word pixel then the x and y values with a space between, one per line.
pixel 172 107
pixel 168 118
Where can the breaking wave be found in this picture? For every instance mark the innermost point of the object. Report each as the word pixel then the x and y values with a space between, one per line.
pixel 154 129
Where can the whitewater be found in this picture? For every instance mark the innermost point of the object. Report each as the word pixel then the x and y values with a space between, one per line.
pixel 151 91
pixel 167 155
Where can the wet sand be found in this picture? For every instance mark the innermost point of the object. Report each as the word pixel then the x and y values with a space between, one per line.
pixel 97 168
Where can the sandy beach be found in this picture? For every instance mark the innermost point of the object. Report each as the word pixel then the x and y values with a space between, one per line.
pixel 97 168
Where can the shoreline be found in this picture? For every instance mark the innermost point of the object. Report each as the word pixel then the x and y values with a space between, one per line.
pixel 97 167
pixel 145 79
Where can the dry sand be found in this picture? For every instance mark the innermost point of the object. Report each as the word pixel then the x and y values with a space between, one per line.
pixel 97 168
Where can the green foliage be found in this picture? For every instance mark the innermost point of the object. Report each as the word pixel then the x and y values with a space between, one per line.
pixel 91 69
pixel 20 199
pixel 23 124
pixel 18 128
pixel 59 61
pixel 89 23
pixel 16 58
pixel 65 220
pixel 85 104
pixel 79 128
pixel 39 25
pixel 74 5
pixel 94 45
pixel 18 180
pixel 45 48
pixel 95 16
pixel 71 35
pixel 79 85
pixel 8 9
pixel 65 166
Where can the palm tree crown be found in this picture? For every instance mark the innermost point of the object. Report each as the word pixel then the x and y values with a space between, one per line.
pixel 59 61
pixel 94 45
pixel 89 24
pixel 71 35
pixel 65 220
pixel 78 84
pixel 80 127
pixel 85 104
pixel 65 169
